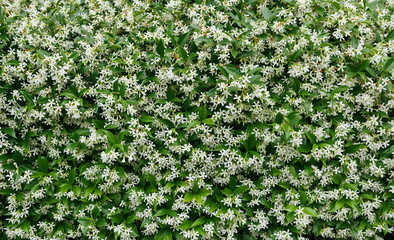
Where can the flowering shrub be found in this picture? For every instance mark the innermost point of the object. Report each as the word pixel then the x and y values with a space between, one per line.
pixel 206 119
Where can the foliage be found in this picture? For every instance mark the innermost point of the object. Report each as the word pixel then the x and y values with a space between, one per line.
pixel 206 119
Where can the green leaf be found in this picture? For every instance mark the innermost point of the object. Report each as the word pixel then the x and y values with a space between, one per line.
pixel 111 138
pixel 338 205
pixel 296 55
pixel 117 69
pixel 186 224
pixel 9 131
pixel 147 118
pixel 294 120
pixel 203 113
pixel 251 142
pixel 108 127
pixel 290 216
pixel 363 65
pixel 12 62
pixel 367 196
pixel 152 180
pixel 27 96
pixel 337 179
pixel 161 212
pixel 114 29
pixel 168 123
pixel 317 228
pixel 65 187
pixel 389 64
pixel 241 189
pixel 198 199
pixel 390 36
pixel 183 54
pixel 85 221
pixel 160 48
pixel 95 212
pixel 305 148
pixel 353 148
pixel 71 176
pixel 279 118
pixel 350 186
pixel 101 223
pixel 284 185
pixel 247 54
pixel 99 124
pixel 42 163
pixel 354 231
pixel 122 89
pixel 371 71
pixel 291 208
pixel 76 190
pixel 310 211
pixel 223 71
pixel 352 204
pixel 26 226
pixel 198 222
pixel 208 121
pixel 115 86
pixel 232 70
pixel 320 11
pixel 163 234
pixel 130 219
pixel 189 197
pixel 192 124
pixel 354 42
pixel 204 192
pixel 267 14
pixel 169 185
pixel 183 39
pixel 117 218
pixel 311 137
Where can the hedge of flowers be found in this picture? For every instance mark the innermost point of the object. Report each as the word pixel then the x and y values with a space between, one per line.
pixel 206 119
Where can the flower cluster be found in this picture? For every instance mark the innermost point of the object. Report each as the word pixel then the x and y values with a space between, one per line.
pixel 205 119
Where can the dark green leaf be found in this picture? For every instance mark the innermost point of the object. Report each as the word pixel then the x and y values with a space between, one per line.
pixel 95 212
pixel 27 96
pixel 111 138
pixel 122 89
pixel 161 212
pixel 147 118
pixel 101 223
pixel 353 148
pixel 310 211
pixel 208 121
pixel 160 48
pixel 183 39
pixel 164 234
pixel 278 118
pixel 241 189
pixel 389 64
pixel 189 197
pixel 203 113
pixel 198 222
pixel 42 163
pixel 186 224
pixel 117 218
pixel 71 176
pixel 183 54
pixel 168 123
pixel 26 226
pixel 232 70
pixel 9 131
